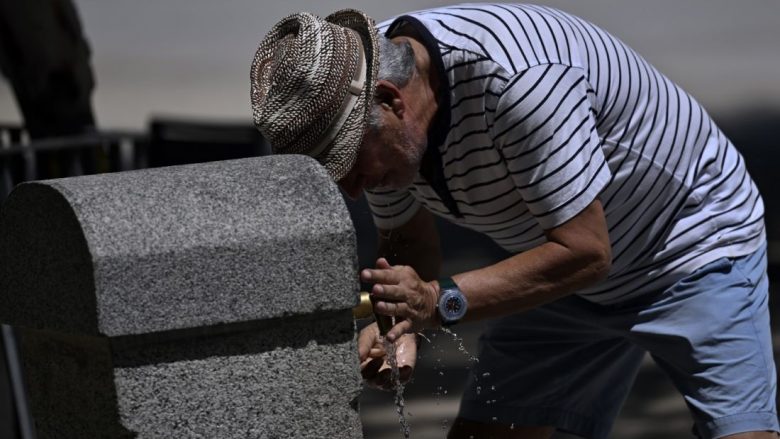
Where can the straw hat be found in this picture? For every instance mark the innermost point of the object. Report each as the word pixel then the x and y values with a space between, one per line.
pixel 313 83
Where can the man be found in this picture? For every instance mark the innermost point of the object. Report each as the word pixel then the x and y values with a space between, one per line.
pixel 633 224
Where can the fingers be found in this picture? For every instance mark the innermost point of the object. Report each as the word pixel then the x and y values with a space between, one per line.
pixel 399 292
pixel 405 373
pixel 370 368
pixel 367 339
pixel 383 378
pixel 395 309
pixel 377 352
pixel 389 292
pixel 387 276
pixel 383 263
pixel 384 273
pixel 377 372
pixel 406 350
pixel 404 327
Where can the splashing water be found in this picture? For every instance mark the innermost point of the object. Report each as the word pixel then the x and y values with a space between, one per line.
pixel 395 377
pixel 459 342
pixel 439 367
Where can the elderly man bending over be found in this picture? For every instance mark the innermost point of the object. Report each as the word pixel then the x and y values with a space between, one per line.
pixel 632 222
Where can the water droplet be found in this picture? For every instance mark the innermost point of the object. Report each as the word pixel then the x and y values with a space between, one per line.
pixel 486 374
pixel 495 418
pixel 459 341
pixel 493 388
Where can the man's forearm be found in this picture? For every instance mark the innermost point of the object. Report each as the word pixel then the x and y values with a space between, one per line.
pixel 527 280
pixel 577 255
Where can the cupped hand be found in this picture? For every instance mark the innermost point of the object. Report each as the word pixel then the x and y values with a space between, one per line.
pixel 398 291
pixel 374 366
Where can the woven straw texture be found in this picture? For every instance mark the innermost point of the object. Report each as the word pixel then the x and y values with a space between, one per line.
pixel 300 79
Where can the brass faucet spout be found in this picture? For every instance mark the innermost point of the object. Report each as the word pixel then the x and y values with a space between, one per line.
pixel 365 309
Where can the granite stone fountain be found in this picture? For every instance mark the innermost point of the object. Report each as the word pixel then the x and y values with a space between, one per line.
pixel 199 301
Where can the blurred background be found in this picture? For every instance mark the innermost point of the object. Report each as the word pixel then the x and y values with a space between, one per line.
pixel 106 85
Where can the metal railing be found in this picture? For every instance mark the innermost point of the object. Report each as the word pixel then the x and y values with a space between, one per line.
pixel 23 159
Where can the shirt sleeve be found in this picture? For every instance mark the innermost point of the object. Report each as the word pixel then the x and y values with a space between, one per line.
pixel 544 126
pixel 391 208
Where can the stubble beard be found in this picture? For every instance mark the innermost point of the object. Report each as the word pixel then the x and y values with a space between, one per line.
pixel 412 154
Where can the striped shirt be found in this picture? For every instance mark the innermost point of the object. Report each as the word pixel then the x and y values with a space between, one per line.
pixel 540 113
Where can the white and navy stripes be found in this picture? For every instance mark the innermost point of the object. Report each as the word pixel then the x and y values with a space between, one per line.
pixel 544 112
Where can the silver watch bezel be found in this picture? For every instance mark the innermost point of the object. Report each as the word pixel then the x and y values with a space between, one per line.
pixel 448 317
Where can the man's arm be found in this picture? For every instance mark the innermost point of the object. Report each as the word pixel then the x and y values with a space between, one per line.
pixel 414 244
pixel 576 255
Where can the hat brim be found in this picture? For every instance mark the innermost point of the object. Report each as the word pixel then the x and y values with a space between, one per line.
pixel 342 154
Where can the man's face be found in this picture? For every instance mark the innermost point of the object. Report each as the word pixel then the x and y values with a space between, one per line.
pixel 389 158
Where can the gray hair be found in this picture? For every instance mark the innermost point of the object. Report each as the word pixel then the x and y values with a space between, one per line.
pixel 396 65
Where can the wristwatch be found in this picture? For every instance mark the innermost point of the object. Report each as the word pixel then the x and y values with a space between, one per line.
pixel 452 303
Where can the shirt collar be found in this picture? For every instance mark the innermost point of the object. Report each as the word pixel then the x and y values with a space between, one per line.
pixel 431 168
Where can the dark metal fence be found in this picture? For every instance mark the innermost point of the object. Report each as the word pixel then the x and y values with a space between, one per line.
pixel 22 159
pixel 168 142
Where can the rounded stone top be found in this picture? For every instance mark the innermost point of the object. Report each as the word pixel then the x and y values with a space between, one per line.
pixel 177 247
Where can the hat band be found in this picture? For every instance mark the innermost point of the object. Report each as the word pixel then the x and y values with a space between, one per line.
pixel 350 100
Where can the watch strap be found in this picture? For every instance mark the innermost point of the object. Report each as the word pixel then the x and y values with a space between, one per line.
pixel 446 283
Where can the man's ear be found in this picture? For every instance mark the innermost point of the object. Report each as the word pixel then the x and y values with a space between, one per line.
pixel 388 96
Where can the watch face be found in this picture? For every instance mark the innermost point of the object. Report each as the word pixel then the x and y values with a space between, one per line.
pixel 452 306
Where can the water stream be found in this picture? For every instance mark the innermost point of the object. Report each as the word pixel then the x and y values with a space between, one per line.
pixel 395 377
pixel 395 374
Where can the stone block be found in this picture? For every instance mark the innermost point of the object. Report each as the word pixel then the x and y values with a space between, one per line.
pixel 177 247
pixel 209 300
pixel 294 377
